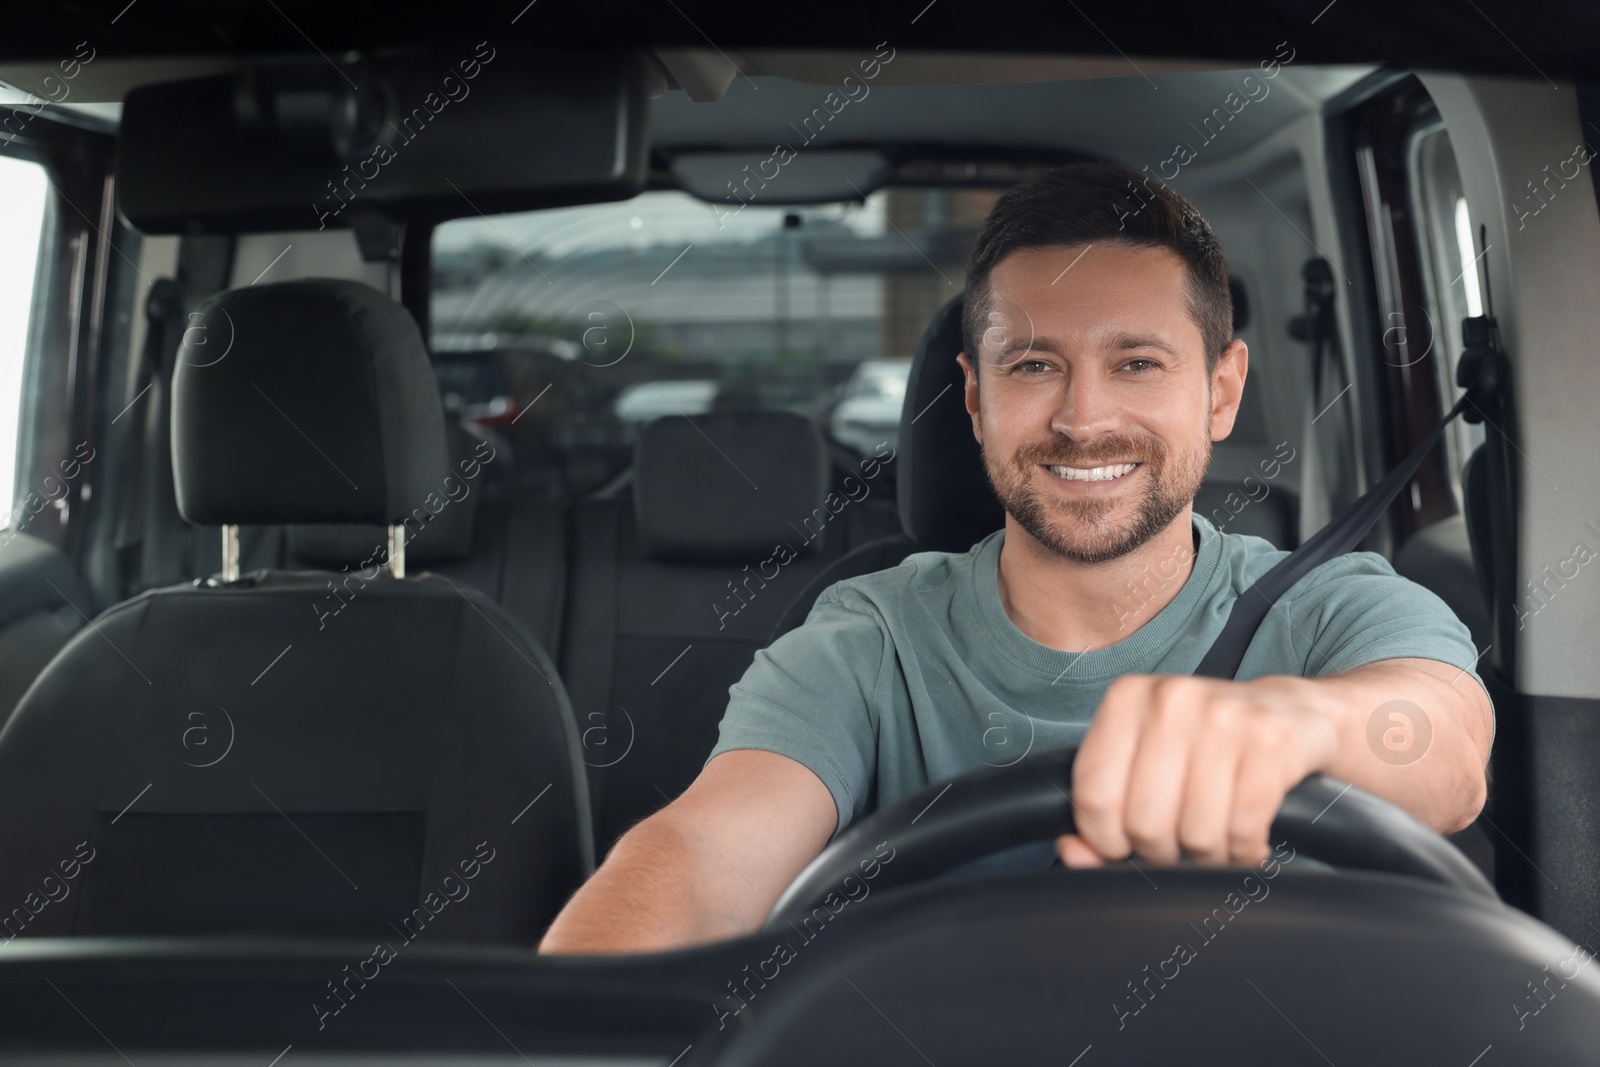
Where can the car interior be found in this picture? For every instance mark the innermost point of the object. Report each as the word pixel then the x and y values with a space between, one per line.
pixel 412 423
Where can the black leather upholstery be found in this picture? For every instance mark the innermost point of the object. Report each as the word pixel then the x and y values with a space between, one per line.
pixel 301 753
pixel 697 499
pixel 305 401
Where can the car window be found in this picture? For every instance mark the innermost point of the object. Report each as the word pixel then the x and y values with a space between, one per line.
pixel 23 189
pixel 566 330
pixel 1451 262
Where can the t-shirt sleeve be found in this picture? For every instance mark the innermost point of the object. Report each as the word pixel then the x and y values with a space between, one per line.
pixel 1355 610
pixel 810 696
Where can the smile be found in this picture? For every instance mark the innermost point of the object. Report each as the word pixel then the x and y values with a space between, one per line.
pixel 1093 474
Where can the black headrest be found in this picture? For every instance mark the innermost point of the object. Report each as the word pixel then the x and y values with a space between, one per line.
pixel 730 486
pixel 305 401
pixel 445 538
pixel 945 499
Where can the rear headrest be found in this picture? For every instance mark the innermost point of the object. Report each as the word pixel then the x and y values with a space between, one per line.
pixel 730 486
pixel 945 499
pixel 305 401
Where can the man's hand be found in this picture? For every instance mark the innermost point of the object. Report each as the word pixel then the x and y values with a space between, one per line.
pixel 1177 766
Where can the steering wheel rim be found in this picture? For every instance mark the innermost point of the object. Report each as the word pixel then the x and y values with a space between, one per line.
pixel 990 809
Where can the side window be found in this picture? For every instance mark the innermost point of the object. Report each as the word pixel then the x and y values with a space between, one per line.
pixel 23 192
pixel 1447 237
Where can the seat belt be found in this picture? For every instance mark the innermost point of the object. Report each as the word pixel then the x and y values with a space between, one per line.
pixel 1483 372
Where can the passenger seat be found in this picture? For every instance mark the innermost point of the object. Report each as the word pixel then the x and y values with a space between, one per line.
pixel 234 755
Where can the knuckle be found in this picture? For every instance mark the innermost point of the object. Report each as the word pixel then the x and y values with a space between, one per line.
pixel 1200 840
pixel 1247 835
pixel 1094 808
pixel 1176 689
pixel 1222 715
pixel 1169 712
pixel 1093 789
pixel 1149 836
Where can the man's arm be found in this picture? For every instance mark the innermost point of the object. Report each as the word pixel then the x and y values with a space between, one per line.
pixel 708 866
pixel 1197 766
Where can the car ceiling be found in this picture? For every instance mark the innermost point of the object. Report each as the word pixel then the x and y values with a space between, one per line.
pixel 1052 104
pixel 1133 118
pixel 1505 36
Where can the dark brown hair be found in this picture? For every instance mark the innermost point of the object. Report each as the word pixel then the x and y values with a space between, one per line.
pixel 1088 203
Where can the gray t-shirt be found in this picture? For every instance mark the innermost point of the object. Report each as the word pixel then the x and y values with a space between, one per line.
pixel 915 674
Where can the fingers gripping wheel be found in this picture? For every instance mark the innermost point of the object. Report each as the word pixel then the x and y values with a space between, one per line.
pixel 945 826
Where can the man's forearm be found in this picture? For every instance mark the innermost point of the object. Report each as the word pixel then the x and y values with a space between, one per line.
pixel 648 896
pixel 1415 732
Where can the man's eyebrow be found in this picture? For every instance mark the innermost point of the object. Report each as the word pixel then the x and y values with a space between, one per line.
pixel 1124 341
pixel 1119 341
pixel 1030 344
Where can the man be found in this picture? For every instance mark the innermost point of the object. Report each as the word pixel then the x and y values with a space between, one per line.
pixel 1100 367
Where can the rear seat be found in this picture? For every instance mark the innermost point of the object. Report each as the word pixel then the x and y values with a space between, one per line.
pixel 672 592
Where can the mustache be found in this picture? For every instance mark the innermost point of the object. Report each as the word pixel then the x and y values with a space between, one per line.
pixel 1106 450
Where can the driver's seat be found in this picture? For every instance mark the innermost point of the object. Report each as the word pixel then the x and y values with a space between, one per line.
pixel 944 498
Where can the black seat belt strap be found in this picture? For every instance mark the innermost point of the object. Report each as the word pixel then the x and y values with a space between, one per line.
pixel 1483 365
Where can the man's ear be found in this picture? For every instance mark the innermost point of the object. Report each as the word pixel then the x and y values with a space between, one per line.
pixel 971 394
pixel 1227 388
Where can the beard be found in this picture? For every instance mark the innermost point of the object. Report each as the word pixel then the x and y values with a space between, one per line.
pixel 1086 531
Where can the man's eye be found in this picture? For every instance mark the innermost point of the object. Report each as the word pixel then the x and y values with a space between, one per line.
pixel 1031 366
pixel 1141 366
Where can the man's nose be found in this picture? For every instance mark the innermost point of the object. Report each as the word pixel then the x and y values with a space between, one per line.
pixel 1087 407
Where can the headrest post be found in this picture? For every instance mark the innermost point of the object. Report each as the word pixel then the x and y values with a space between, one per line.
pixel 230 553
pixel 397 551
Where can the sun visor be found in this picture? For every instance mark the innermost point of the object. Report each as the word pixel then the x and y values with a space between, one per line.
pixel 422 137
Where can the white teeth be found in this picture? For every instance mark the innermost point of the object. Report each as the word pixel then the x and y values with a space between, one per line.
pixel 1093 474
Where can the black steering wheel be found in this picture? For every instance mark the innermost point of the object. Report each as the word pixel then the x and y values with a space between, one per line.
pixel 945 826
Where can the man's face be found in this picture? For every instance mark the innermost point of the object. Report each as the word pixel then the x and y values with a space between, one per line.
pixel 1090 396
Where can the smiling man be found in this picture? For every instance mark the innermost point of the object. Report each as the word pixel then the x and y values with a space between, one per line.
pixel 1100 367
